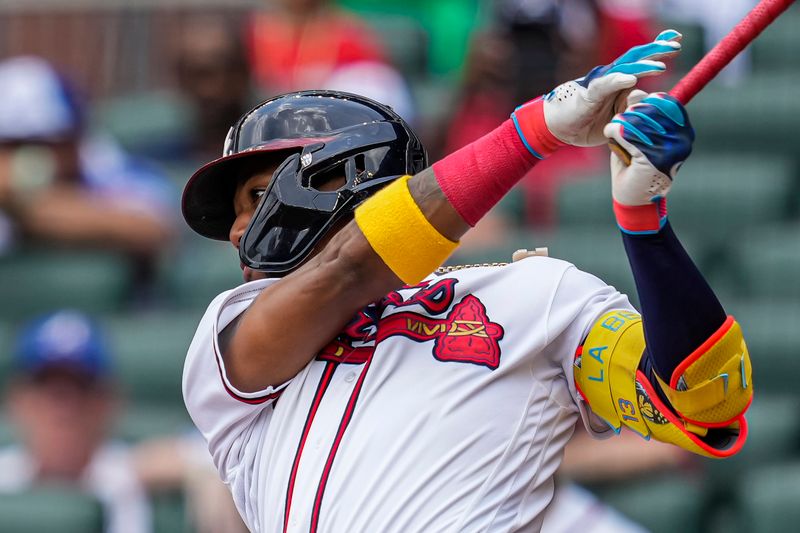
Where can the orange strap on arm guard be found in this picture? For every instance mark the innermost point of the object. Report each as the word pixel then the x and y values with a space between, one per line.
pixel 709 391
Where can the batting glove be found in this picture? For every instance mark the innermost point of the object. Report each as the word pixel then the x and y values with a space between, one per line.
pixel 656 133
pixel 576 112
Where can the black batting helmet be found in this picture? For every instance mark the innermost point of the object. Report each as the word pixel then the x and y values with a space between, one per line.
pixel 321 134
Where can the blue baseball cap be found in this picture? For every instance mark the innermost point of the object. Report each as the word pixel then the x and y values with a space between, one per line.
pixel 65 339
pixel 38 104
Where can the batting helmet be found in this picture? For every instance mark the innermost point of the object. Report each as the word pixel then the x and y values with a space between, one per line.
pixel 318 135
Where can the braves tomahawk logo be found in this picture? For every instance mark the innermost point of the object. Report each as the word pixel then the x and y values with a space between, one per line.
pixel 465 334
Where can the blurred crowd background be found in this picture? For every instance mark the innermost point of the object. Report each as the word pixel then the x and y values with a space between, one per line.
pixel 108 106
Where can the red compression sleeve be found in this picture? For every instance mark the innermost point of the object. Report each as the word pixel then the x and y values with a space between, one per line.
pixel 477 176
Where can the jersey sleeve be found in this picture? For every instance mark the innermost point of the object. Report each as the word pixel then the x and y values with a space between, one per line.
pixel 222 413
pixel 579 300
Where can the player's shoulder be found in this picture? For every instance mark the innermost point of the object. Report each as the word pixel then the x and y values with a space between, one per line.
pixel 224 308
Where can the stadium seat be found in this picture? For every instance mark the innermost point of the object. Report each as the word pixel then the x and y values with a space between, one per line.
pixel 148 123
pixel 143 420
pixel 713 196
pixel 774 436
pixel 586 202
pixel 773 336
pixel 169 512
pixel 757 115
pixel 39 280
pixel 768 259
pixel 769 499
pixel 598 251
pixel 149 351
pixel 6 349
pixel 434 99
pixel 203 270
pixel 663 504
pixel 720 195
pixel 50 509
pixel 692 44
pixel 776 49
pixel 500 250
pixel 179 173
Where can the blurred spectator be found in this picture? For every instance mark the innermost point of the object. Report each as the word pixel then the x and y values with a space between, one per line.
pixel 626 456
pixel 574 508
pixel 213 75
pixel 312 44
pixel 532 46
pixel 448 24
pixel 62 400
pixel 183 463
pixel 587 460
pixel 58 184
pixel 716 19
pixel 624 24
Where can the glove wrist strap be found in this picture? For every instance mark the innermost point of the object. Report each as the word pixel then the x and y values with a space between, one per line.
pixel 641 219
pixel 533 131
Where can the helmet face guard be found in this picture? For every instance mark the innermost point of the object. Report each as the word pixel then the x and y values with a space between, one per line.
pixel 293 215
pixel 328 136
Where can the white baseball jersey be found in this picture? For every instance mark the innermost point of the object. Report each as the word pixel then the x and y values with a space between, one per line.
pixel 444 407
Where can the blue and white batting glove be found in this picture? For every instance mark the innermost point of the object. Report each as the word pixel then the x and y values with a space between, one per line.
pixel 655 131
pixel 576 112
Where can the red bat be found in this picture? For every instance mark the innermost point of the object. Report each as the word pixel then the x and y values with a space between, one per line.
pixel 728 48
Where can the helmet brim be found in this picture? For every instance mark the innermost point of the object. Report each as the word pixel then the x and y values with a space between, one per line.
pixel 207 203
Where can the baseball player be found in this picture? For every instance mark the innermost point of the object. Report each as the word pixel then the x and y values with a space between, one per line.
pixel 349 387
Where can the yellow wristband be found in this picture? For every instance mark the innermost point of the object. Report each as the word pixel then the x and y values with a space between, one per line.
pixel 400 234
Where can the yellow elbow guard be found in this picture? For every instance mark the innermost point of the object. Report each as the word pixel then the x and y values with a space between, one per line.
pixel 709 391
pixel 395 227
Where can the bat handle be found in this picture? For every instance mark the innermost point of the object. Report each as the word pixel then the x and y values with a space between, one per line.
pixel 621 152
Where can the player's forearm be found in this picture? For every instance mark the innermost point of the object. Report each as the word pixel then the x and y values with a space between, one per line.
pixel 679 309
pixel 293 319
pixel 433 203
